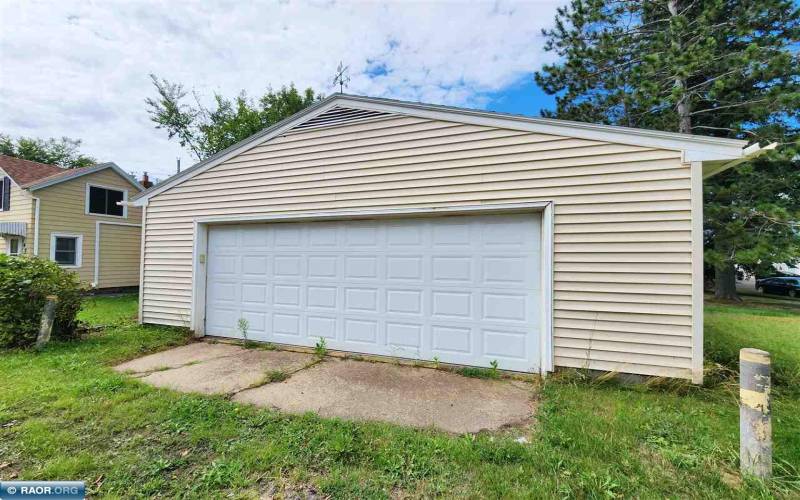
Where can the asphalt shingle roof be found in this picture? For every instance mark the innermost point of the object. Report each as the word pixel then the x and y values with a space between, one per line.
pixel 26 172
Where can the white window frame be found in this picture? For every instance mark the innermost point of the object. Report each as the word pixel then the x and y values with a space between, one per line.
pixel 20 247
pixel 78 249
pixel 112 188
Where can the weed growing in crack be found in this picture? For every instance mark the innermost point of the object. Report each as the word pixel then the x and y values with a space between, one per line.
pixel 243 325
pixel 321 348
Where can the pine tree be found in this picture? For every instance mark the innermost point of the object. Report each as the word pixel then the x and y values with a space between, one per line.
pixel 712 67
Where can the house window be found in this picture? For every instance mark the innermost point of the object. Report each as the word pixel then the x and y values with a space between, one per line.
pixel 66 249
pixel 103 201
pixel 5 194
pixel 14 246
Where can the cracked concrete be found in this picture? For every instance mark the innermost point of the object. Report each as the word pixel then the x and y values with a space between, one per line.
pixel 348 389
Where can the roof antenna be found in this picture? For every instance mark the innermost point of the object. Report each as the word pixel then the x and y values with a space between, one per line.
pixel 178 161
pixel 342 78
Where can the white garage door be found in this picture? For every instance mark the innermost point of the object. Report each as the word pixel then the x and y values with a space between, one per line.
pixel 461 289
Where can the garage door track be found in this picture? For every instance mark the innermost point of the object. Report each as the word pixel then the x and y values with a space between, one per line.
pixel 354 390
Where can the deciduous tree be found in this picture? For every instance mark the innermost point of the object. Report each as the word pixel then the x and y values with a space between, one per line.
pixel 63 152
pixel 206 131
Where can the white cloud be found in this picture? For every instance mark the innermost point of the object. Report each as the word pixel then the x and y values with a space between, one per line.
pixel 80 69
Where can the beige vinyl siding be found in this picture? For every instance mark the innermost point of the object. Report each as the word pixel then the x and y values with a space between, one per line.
pixel 120 247
pixel 21 210
pixel 622 215
pixel 63 210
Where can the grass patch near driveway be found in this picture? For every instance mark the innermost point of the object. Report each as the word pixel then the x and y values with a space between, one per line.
pixel 64 414
pixel 728 329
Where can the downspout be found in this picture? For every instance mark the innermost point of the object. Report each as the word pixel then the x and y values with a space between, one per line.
pixel 37 203
pixel 141 261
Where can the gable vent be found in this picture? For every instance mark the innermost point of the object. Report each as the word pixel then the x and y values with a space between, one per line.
pixel 340 116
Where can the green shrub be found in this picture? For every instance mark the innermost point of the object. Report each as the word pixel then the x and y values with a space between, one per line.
pixel 25 283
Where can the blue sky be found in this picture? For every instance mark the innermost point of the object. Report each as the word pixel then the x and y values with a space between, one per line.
pixel 89 76
pixel 523 98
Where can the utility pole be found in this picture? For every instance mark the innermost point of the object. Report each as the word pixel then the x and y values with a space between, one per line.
pixel 178 161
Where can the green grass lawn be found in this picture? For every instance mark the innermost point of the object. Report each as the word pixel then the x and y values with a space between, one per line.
pixel 65 415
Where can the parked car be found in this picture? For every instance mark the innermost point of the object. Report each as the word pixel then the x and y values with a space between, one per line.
pixel 779 286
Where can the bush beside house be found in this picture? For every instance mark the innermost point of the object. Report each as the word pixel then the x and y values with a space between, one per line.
pixel 25 283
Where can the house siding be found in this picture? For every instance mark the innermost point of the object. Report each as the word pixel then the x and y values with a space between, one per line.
pixel 21 210
pixel 120 247
pixel 63 210
pixel 622 221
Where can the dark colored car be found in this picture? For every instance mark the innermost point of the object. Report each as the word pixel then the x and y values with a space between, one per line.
pixel 779 286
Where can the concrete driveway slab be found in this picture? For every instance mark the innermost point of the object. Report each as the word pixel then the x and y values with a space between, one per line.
pixel 179 356
pixel 404 395
pixel 224 375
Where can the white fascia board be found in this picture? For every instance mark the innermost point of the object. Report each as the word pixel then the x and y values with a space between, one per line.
pixel 693 148
pixel 90 170
pixel 696 148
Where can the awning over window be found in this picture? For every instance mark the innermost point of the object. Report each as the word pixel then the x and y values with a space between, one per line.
pixel 13 229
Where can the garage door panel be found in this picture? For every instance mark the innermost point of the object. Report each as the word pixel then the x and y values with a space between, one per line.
pixel 401 268
pixel 450 304
pixel 254 294
pixel 450 338
pixel 255 266
pixel 449 235
pixel 255 238
pixel 404 335
pixel 361 235
pixel 257 323
pixel 287 236
pixel 287 266
pixel 505 307
pixel 462 289
pixel 322 297
pixel 360 330
pixel 451 269
pixel 509 271
pixel 322 326
pixel 285 324
pixel 284 295
pixel 325 267
pixel 504 343
pixel 404 235
pixel 224 265
pixel 404 302
pixel 360 267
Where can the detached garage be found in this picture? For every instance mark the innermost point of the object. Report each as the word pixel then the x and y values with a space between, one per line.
pixel 436 233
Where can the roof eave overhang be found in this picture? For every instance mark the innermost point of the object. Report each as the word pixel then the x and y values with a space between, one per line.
pixel 717 166
pixel 692 148
pixel 91 170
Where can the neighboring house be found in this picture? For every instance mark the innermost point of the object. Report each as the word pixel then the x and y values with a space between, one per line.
pixel 437 233
pixel 72 217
